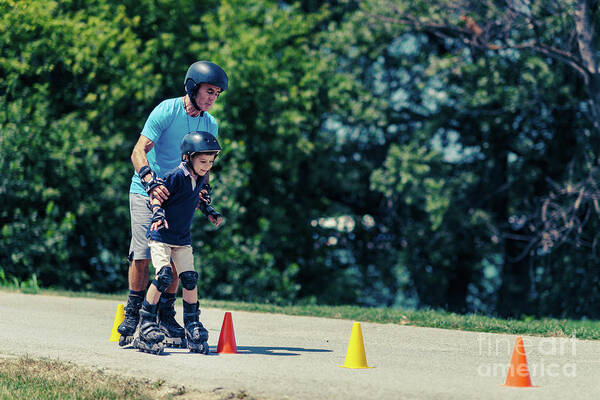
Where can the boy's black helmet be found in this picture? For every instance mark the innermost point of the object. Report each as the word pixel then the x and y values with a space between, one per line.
pixel 204 72
pixel 199 142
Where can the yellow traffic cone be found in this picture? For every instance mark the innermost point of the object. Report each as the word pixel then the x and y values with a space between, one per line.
pixel 355 356
pixel 119 317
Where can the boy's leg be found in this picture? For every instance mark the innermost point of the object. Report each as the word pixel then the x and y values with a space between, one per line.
pixel 154 294
pixel 195 333
pixel 151 336
pixel 175 334
pixel 190 296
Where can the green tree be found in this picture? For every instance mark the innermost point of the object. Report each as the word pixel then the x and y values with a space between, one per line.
pixel 276 160
pixel 78 79
pixel 498 110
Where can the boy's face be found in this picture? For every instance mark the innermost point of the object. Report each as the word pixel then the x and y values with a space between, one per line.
pixel 202 163
pixel 207 95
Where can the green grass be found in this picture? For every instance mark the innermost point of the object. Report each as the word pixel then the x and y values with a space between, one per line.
pixel 581 329
pixel 26 378
pixel 430 318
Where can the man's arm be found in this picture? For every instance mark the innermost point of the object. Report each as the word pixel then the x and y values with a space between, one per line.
pixel 139 160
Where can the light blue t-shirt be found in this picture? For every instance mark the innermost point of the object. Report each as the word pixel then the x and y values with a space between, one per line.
pixel 166 126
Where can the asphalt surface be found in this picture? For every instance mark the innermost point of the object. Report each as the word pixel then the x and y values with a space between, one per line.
pixel 287 357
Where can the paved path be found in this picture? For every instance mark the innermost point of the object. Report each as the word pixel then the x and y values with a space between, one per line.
pixel 286 357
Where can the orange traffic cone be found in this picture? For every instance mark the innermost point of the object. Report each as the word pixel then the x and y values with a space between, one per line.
pixel 227 337
pixel 518 371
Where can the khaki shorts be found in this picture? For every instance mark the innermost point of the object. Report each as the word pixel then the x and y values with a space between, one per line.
pixel 163 253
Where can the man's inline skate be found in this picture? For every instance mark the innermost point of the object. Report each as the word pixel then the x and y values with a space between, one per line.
pixel 132 318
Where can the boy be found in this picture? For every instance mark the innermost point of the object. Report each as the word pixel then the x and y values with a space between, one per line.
pixel 170 239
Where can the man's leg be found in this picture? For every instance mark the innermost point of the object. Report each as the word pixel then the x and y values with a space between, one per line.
pixel 138 280
pixel 139 275
pixel 139 256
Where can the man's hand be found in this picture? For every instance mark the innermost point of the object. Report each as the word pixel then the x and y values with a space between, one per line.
pixel 160 193
pixel 154 185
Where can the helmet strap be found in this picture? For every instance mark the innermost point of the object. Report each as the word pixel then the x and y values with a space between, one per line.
pixel 188 117
pixel 189 165
pixel 192 97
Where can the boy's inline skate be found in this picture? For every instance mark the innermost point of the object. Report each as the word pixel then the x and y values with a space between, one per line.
pixel 151 337
pixel 174 333
pixel 195 333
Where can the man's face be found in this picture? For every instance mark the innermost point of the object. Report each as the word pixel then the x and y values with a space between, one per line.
pixel 207 95
pixel 202 163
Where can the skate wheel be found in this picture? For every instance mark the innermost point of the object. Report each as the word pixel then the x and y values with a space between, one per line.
pixel 205 348
pixel 125 340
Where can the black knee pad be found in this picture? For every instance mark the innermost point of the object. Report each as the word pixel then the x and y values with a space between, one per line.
pixel 163 279
pixel 189 279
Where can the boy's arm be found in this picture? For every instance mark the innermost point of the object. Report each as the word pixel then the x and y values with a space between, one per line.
pixel 206 190
pixel 213 216
pixel 158 215
pixel 204 204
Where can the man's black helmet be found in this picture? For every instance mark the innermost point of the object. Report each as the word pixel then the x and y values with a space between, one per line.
pixel 204 72
pixel 199 142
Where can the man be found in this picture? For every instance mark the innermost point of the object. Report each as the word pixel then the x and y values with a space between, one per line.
pixel 156 152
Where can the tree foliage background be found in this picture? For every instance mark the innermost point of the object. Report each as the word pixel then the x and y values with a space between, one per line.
pixel 430 154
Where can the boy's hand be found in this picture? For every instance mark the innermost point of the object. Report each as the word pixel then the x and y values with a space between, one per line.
pixel 157 225
pixel 216 219
pixel 213 216
pixel 158 218
pixel 204 193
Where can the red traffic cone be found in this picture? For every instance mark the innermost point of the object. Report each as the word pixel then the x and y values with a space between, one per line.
pixel 518 371
pixel 227 338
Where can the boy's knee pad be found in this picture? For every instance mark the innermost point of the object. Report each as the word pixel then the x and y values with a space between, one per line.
pixel 163 279
pixel 189 279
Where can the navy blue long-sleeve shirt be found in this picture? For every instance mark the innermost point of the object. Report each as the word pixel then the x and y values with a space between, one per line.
pixel 179 207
